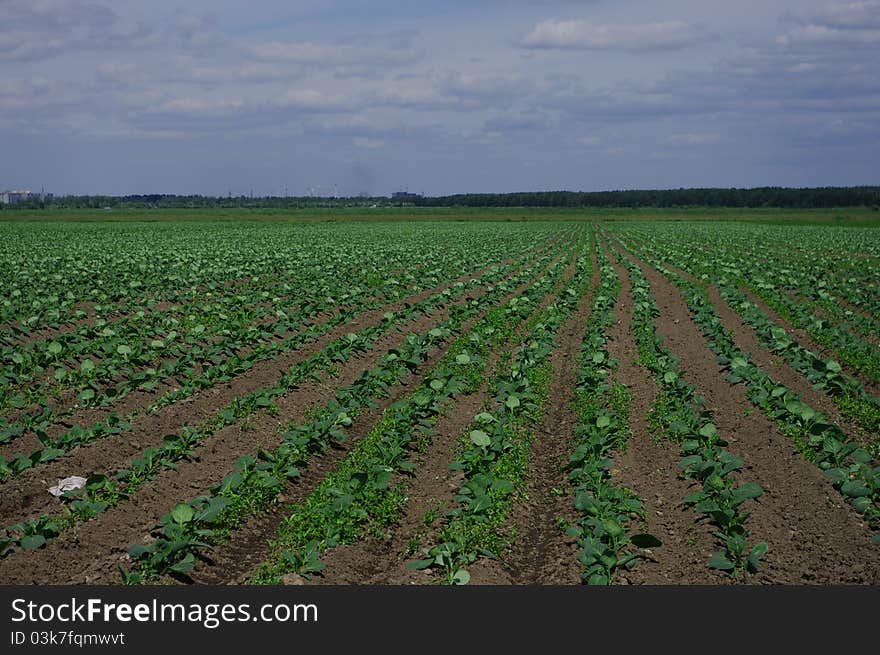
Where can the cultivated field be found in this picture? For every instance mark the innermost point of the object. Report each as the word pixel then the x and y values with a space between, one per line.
pixel 525 402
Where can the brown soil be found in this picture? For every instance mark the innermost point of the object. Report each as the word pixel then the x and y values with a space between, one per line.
pixel 132 520
pixel 814 536
pixel 235 561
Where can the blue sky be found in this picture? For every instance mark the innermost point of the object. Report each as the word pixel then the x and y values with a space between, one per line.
pixel 218 97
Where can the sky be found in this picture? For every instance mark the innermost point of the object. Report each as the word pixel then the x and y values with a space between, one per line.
pixel 286 97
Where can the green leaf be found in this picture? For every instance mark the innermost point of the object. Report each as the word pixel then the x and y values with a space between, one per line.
pixel 861 455
pixel 54 348
pixel 512 402
pixel 182 513
pixel 708 431
pixel 603 421
pixel 480 438
pixel 670 377
pixel 719 561
pixel 314 565
pixel 137 551
pixel 213 509
pixel 584 502
pixel 185 565
pixel 123 350
pixel 48 454
pixel 419 564
pixel 612 527
pixel 32 542
pixel 463 358
pixel 690 445
pixel 862 504
pixel 461 577
pixel 747 491
pixel 855 489
pixel 715 482
pixel 598 580
pixel 807 413
pixel 837 474
pixel 756 555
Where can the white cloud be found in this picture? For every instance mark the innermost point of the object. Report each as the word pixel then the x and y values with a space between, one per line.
pixel 821 34
pixel 851 15
pixel 412 94
pixel 333 54
pixel 583 35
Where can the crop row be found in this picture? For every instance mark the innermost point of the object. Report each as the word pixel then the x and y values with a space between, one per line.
pixel 495 451
pixel 848 465
pixel 682 415
pixel 605 510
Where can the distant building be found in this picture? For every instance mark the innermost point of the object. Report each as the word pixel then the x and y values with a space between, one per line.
pixel 404 195
pixel 13 197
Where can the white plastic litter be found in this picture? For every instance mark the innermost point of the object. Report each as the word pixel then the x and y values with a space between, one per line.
pixel 67 484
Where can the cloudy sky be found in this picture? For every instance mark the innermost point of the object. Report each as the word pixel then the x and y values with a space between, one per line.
pixel 372 96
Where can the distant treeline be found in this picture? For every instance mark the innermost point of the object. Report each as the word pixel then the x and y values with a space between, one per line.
pixel 777 197
pixel 170 201
pixel 781 197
